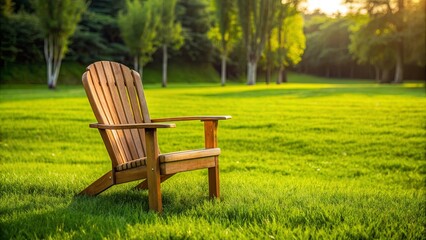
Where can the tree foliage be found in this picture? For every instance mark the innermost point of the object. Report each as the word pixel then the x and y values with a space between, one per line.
pixel 370 42
pixel 21 40
pixel 195 19
pixel 138 25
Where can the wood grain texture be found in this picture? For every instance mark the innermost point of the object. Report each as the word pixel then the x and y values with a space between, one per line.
pixel 153 170
pixel 187 165
pixel 210 138
pixel 132 126
pixel 191 118
pixel 187 155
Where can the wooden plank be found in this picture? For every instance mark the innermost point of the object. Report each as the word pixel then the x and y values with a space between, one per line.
pixel 100 185
pixel 141 96
pixel 134 125
pixel 134 102
pixel 187 165
pixel 191 118
pixel 128 112
pixel 127 141
pixel 210 141
pixel 153 171
pixel 130 175
pixel 112 112
pixel 112 135
pixel 191 154
pixel 97 101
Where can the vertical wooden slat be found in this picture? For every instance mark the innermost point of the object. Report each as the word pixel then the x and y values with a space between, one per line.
pixel 138 83
pixel 127 142
pixel 112 111
pixel 210 133
pixel 97 101
pixel 137 111
pixel 128 111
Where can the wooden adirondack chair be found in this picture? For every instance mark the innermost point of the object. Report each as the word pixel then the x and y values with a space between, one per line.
pixel 130 136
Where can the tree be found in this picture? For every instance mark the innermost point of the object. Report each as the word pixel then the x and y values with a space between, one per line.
pixel 370 44
pixel 138 26
pixel 6 8
pixel 194 16
pixel 170 33
pixel 97 37
pixel 388 16
pixel 290 39
pixel 21 40
pixel 414 32
pixel 224 34
pixel 255 20
pixel 58 20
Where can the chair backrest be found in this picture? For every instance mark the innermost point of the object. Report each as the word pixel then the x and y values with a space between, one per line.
pixel 116 95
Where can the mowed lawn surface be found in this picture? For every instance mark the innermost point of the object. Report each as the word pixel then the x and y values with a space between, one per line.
pixel 300 160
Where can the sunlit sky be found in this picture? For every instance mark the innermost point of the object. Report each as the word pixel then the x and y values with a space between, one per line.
pixel 326 6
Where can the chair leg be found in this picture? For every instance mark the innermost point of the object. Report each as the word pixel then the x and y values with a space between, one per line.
pixel 214 187
pixel 100 185
pixel 144 184
pixel 153 171
pixel 210 138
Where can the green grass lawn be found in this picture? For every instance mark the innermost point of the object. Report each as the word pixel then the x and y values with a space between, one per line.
pixel 301 160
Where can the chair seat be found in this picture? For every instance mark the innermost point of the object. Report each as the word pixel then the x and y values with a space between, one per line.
pixel 175 162
pixel 190 154
pixel 172 157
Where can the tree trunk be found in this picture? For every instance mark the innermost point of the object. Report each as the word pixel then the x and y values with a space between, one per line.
pixel 284 75
pixel 251 72
pixel 53 57
pixel 268 75
pixel 377 70
pixel 223 75
pixel 164 82
pixel 385 76
pixel 399 71
pixel 280 76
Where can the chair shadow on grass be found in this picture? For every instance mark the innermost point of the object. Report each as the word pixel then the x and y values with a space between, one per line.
pixel 96 217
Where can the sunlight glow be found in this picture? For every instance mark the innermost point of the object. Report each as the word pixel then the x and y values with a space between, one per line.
pixel 328 6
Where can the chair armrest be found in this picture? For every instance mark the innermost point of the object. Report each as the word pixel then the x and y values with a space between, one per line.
pixel 190 118
pixel 132 126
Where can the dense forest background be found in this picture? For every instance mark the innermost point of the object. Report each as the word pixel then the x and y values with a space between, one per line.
pixel 334 44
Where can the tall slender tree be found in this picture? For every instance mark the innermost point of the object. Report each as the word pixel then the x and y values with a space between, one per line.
pixel 138 25
pixel 255 20
pixel 224 34
pixel 170 32
pixel 58 20
pixel 291 41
